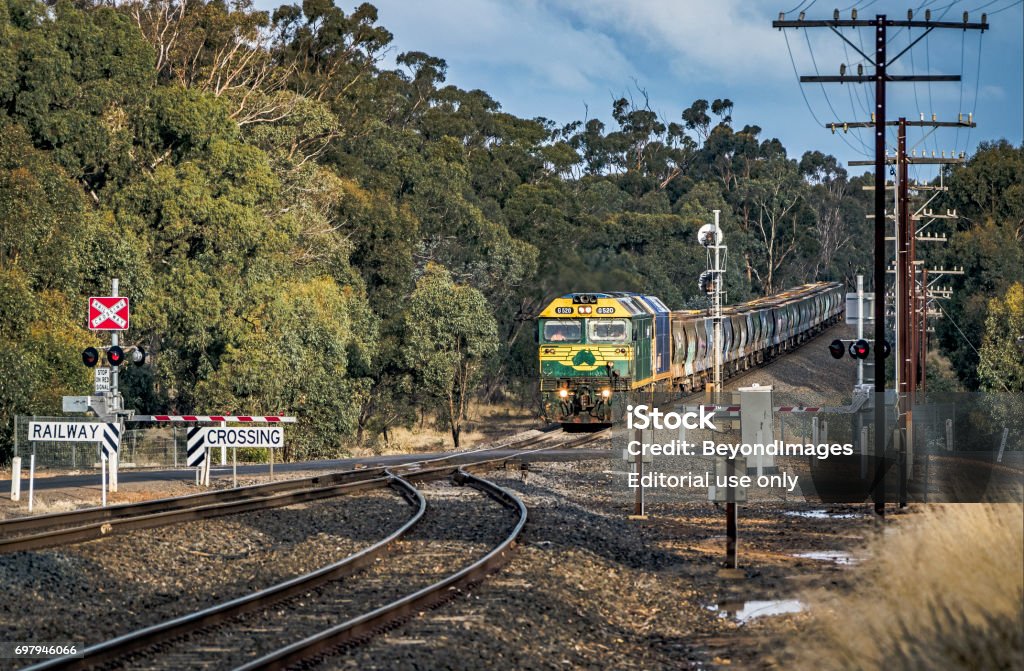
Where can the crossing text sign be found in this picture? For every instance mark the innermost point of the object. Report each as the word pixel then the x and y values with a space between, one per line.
pixel 244 436
pixel 108 313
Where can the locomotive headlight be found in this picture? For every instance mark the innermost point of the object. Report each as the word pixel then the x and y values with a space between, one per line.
pixel 605 393
pixel 563 393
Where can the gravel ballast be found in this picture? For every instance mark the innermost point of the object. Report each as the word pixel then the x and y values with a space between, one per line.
pixel 93 591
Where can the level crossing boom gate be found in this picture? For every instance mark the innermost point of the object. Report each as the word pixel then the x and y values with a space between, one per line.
pixel 200 438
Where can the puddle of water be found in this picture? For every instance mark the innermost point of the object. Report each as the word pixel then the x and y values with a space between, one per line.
pixel 821 514
pixel 744 611
pixel 834 556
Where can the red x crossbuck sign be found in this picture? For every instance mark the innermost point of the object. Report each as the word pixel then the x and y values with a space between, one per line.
pixel 108 313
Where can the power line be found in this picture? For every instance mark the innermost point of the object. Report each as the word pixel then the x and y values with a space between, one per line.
pixel 974 107
pixel 801 5
pixel 827 100
pixel 966 339
pixel 804 96
pixel 1009 6
pixel 960 105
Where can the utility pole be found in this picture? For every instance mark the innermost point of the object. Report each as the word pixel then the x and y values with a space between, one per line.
pixel 880 78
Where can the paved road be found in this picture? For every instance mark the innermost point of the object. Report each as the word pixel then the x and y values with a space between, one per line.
pixel 92 478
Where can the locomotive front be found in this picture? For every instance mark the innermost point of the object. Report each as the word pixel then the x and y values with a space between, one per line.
pixel 586 346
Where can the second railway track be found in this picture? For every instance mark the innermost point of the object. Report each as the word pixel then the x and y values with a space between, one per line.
pixel 41 531
pixel 325 630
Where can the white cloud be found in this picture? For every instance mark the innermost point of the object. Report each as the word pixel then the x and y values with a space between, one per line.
pixel 522 38
pixel 726 39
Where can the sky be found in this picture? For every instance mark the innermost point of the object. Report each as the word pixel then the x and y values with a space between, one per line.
pixel 567 60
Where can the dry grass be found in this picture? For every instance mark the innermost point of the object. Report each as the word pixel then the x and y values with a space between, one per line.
pixel 944 590
pixel 486 423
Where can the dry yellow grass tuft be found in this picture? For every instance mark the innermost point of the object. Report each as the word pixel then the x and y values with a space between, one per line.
pixel 943 590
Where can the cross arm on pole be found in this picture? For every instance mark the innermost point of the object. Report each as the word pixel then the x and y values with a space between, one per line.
pixel 871 23
pixel 863 79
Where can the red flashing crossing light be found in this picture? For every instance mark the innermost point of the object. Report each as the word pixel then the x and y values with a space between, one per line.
pixel 115 356
pixel 836 349
pixel 90 356
pixel 860 349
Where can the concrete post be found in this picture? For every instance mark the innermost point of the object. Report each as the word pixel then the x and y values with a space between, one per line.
pixel 16 479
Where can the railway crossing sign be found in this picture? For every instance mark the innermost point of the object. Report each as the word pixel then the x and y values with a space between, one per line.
pixel 108 434
pixel 195 447
pixel 65 432
pixel 243 436
pixel 108 313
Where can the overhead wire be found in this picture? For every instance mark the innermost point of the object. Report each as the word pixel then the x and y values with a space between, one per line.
pixel 977 82
pixel 960 105
pixel 1003 9
pixel 828 101
pixel 800 6
pixel 803 95
pixel 966 339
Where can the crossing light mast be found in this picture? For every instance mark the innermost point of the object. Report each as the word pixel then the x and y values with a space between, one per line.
pixel 710 236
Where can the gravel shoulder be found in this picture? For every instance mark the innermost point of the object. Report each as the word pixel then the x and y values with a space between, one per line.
pixel 590 588
pixel 94 591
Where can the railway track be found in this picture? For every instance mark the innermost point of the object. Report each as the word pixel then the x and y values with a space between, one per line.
pixel 42 531
pixel 691 398
pixel 263 624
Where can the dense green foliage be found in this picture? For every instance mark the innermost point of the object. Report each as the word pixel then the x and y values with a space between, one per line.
pixel 302 230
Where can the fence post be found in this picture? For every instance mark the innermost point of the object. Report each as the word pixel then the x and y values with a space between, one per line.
pixel 16 479
pixel 31 477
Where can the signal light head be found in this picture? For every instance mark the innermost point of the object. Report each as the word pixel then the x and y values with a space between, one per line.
pixel 836 349
pixel 860 349
pixel 885 348
pixel 138 356
pixel 115 356
pixel 90 356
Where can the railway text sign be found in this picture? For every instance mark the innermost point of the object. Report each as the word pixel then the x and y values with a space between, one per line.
pixel 71 432
pixel 108 313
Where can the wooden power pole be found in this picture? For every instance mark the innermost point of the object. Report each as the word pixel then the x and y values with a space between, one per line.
pixel 880 78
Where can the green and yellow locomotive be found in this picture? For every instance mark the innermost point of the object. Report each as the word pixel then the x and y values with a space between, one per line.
pixel 595 346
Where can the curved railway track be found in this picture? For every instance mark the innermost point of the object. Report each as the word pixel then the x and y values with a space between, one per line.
pixel 322 632
pixel 42 531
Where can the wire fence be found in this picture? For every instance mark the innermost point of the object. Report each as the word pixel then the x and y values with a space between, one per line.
pixel 153 447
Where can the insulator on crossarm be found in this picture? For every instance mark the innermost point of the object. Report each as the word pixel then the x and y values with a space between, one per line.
pixel 835 14
pixel 922 116
pixel 910 15
pixel 927 15
pixel 970 117
pixel 842 69
pixel 853 14
pixel 802 15
pixel 860 68
pixel 846 128
pixel 965 17
pixel 934 116
pixel 782 16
